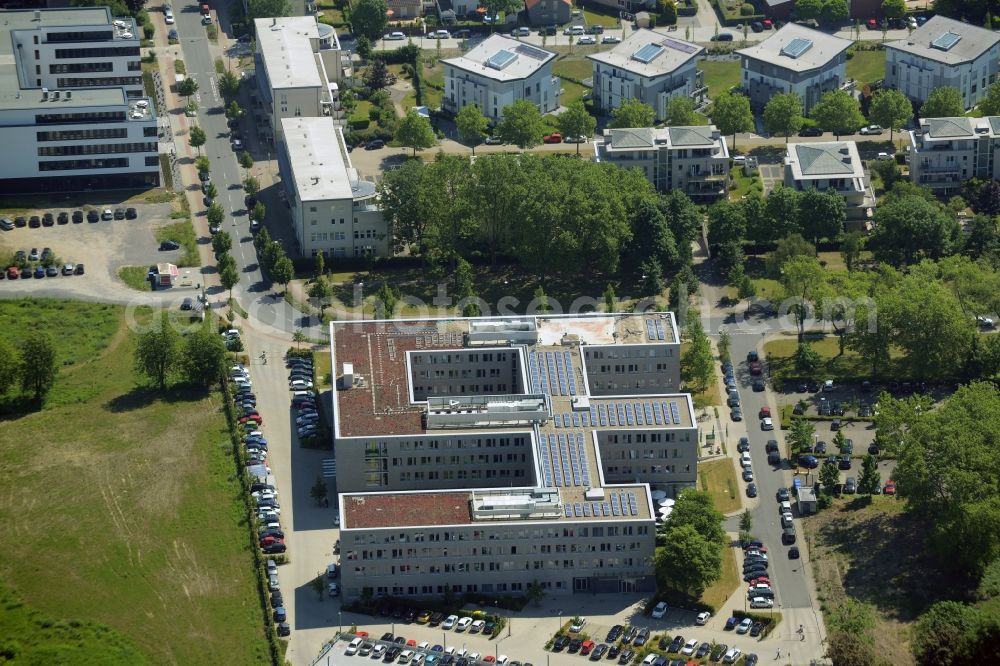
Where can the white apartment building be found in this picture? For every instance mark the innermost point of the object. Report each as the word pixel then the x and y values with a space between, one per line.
pixel 496 73
pixel 832 165
pixel 483 454
pixel 72 106
pixel 946 152
pixel 300 67
pixel 650 67
pixel 944 52
pixel 694 160
pixel 332 210
pixel 794 59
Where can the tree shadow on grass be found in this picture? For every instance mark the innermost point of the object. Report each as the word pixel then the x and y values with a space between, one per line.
pixel 144 396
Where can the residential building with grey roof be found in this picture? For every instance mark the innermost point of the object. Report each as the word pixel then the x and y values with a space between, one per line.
pixel 831 165
pixel 72 106
pixel 794 59
pixel 484 454
pixel 944 52
pixel 694 160
pixel 946 152
pixel 496 73
pixel 650 67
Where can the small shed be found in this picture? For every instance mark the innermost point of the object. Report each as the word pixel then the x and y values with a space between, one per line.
pixel 807 500
pixel 166 275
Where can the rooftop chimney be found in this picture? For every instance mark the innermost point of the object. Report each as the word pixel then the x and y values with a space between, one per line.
pixel 38 15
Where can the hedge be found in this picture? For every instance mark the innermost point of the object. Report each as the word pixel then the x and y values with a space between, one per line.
pixel 769 621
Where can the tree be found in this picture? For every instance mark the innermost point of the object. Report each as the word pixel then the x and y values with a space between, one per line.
pixel 251 186
pixel 233 111
pixel 282 271
pixel 319 265
pixel 197 138
pixel 652 277
pixel 933 330
pixel 415 131
pixel 681 113
pixel 837 111
pixel 847 649
pixel 471 124
pixel 651 239
pixel 890 108
pixel 990 105
pixel 942 634
pixel 204 356
pixel 215 214
pixel 806 360
pixel 377 75
pixel 746 521
pixel 697 364
pixel 851 245
pixel 211 191
pixel 702 560
pixel 829 478
pixel 800 435
pixel 894 8
pixel 497 7
pixel 386 299
pixel 203 164
pixel 521 125
pixel 696 508
pixel 731 114
pixel 834 11
pixel 535 593
pixel 802 278
pixel 724 344
pixel 229 277
pixel 187 87
pixel 668 12
pixel 246 160
pixel 909 228
pixel 808 10
pixel 870 478
pixel 542 301
pixel 10 366
pixel 38 364
pixel 267 8
pixel 157 351
pixel 943 102
pixel 821 214
pixel 369 18
pixel 576 122
pixel 258 211
pixel 222 242
pixel 783 114
pixel 229 85
pixel 726 223
pixel 633 113
pixel 746 290
pixel 786 249
pixel 610 299
pixel 318 492
pixel 321 291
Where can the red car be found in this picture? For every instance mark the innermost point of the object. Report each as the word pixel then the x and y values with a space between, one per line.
pixel 763 580
pixel 13 273
pixel 890 488
pixel 765 412
pixel 587 647
pixel 555 137
pixel 756 368
pixel 872 24
pixel 252 417
pixel 768 24
pixel 270 540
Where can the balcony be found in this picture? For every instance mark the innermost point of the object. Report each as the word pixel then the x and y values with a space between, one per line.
pixel 706 177
pixel 939 169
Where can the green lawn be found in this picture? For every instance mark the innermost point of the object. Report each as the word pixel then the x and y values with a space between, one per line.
pixel 183 233
pixel 718 478
pixel 718 592
pixel 135 277
pixel 572 92
pixel 127 512
pixel 744 184
pixel 848 366
pixel 597 15
pixel 866 66
pixel 720 75
pixel 573 68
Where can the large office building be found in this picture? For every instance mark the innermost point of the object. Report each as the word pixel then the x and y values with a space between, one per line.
pixel 944 52
pixel 649 67
pixel 496 73
pixel 794 59
pixel 694 160
pixel 333 211
pixel 944 153
pixel 72 106
pixel 831 165
pixel 300 67
pixel 485 454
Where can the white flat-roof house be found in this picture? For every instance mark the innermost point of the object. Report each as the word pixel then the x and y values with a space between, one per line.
pixel 794 59
pixel 498 72
pixel 73 114
pixel 333 211
pixel 946 152
pixel 694 160
pixel 831 165
pixel 647 66
pixel 299 67
pixel 944 52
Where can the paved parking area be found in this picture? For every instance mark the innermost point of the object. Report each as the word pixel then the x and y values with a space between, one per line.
pixel 771 175
pixel 103 247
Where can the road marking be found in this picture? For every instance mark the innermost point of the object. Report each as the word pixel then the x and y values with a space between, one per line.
pixel 329 468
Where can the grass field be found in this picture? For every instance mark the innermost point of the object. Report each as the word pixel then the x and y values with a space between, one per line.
pixel 850 366
pixel 720 75
pixel 717 594
pixel 183 233
pixel 573 68
pixel 135 277
pixel 866 66
pixel 596 15
pixel 321 365
pixel 718 478
pixel 123 505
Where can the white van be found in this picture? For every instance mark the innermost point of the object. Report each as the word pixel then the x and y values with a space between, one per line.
pixel 352 648
pixel 168 15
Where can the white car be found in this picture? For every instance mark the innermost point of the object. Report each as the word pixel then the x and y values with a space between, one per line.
pixel 394 36
pixel 766 423
pixel 871 130
pixel 660 610
pixel 745 460
pixel 299 385
pixel 474 657
pixel 786 520
pixel 272 567
pixel 331 571
pixel 578 627
pixel 440 34
pixel 378 651
pixel 744 626
pixel 332 589
pixel 732 655
pixel 477 626
pixel 610 39
pixel 984 322
pixel 587 39
pixel 353 646
pixel 449 622
pixel 463 624
pixel 702 618
pixel 690 647
pixel 423 645
pixel 575 30
pixel 522 32
pixel 884 156
pixel 761 602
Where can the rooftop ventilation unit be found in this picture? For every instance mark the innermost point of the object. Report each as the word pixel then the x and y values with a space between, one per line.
pixel 796 47
pixel 55 95
pixel 648 53
pixel 69 94
pixel 45 94
pixel 946 41
pixel 501 59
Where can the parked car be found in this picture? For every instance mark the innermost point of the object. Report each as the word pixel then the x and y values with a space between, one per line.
pixel 555 137
pixel 870 130
pixel 811 131
pixel 660 610
pixel 610 39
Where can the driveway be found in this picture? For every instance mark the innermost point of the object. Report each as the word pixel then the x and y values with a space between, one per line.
pixel 771 175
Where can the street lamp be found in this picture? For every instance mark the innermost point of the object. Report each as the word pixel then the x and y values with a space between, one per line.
pixel 340 621
pixel 560 620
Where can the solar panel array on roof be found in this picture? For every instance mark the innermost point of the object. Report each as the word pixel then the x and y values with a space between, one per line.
pixel 650 331
pixel 648 53
pixel 946 41
pixel 796 47
pixel 501 59
pixel 683 47
pixel 661 333
pixel 532 52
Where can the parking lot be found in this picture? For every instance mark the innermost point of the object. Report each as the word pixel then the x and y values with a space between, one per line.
pixel 103 247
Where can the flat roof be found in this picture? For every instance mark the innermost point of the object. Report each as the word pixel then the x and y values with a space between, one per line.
pixel 377 350
pixel 797 48
pixel 649 53
pixel 824 159
pixel 15 95
pixel 317 159
pixel 502 59
pixel 287 51
pixel 947 41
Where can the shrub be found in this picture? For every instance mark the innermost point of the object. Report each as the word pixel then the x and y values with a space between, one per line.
pixel 747 10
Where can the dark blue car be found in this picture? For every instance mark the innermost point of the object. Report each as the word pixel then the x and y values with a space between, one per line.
pixel 809 462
